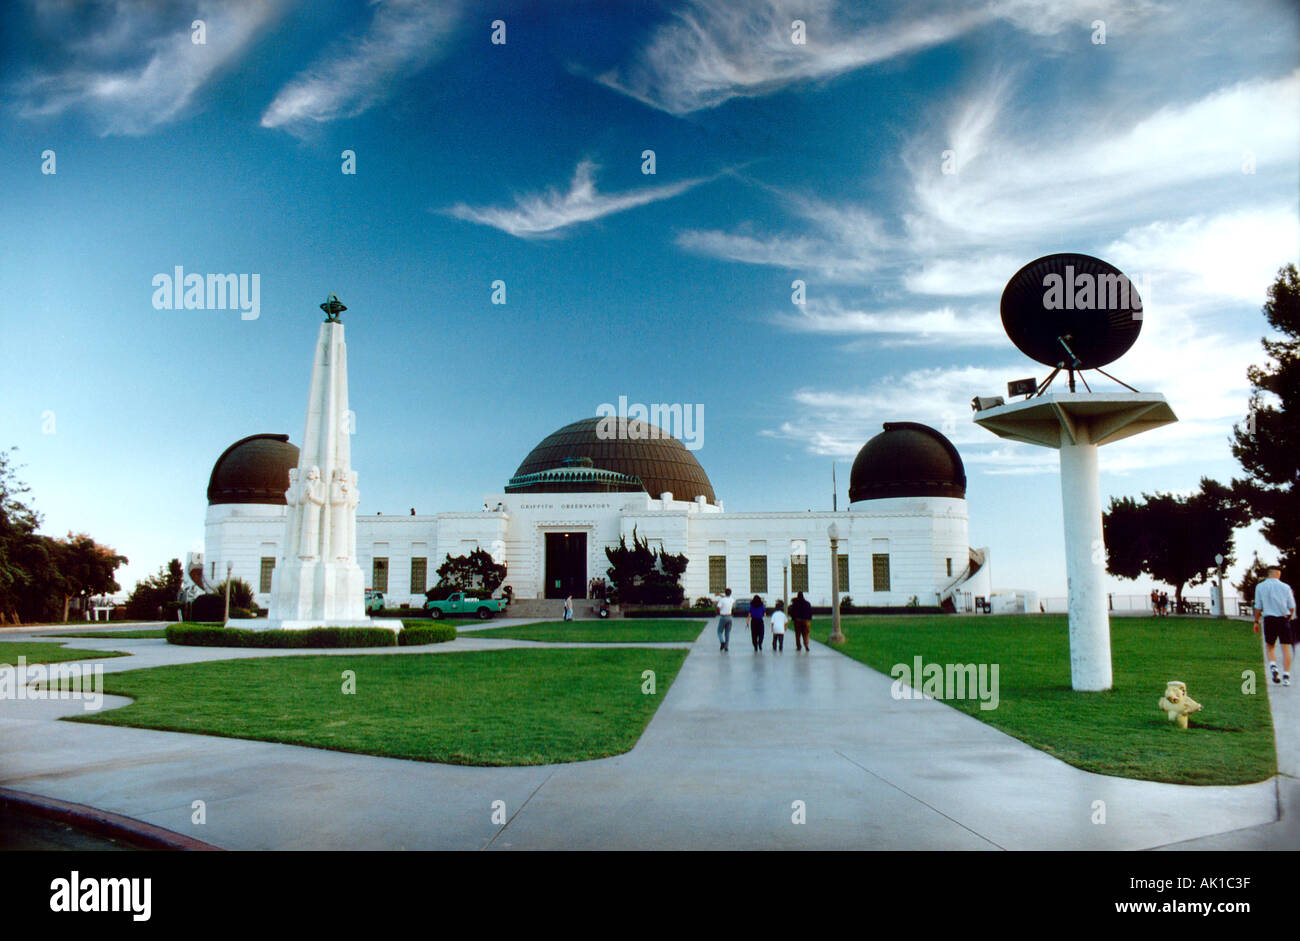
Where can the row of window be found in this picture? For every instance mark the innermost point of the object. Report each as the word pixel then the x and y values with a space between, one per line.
pixel 419 574
pixel 798 573
pixel 378 574
pixel 717 573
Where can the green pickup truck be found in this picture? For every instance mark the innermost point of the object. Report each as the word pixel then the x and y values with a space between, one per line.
pixel 464 605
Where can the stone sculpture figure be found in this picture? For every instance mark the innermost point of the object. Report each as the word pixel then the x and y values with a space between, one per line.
pixel 1176 704
pixel 311 503
pixel 339 486
pixel 354 500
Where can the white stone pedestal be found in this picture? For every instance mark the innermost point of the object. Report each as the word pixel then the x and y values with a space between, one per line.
pixel 1078 424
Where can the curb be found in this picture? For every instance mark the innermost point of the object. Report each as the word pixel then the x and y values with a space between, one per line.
pixel 103 823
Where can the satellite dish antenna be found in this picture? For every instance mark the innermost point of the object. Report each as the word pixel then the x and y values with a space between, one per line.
pixel 1076 312
pixel 1072 312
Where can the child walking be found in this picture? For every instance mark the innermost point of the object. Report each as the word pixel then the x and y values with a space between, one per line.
pixel 778 627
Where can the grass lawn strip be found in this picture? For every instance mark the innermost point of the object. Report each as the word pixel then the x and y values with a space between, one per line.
pixel 159 633
pixel 631 631
pixel 503 707
pixel 1119 732
pixel 10 651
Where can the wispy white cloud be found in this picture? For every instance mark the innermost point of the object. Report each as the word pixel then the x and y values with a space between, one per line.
pixel 894 325
pixel 842 243
pixel 716 50
pixel 547 215
pixel 142 70
pixel 1086 179
pixel 403 37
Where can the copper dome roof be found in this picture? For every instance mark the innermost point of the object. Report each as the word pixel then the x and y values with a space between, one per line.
pixel 612 454
pixel 907 459
pixel 253 470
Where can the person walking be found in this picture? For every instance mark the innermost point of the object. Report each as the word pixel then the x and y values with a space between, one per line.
pixel 801 614
pixel 725 604
pixel 1155 603
pixel 1275 601
pixel 756 612
pixel 778 626
pixel 568 608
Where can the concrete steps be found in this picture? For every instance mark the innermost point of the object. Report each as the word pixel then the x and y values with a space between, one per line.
pixel 553 608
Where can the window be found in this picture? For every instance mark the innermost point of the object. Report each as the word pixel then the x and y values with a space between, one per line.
pixel 268 566
pixel 799 573
pixel 880 571
pixel 758 574
pixel 843 565
pixel 379 575
pixel 717 574
pixel 419 575
pixel 948 564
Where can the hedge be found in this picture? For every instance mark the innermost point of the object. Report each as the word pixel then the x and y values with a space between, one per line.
pixel 203 635
pixel 419 636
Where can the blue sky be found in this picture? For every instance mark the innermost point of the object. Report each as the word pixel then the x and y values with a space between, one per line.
pixel 522 162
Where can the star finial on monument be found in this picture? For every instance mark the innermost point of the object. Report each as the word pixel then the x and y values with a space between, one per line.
pixel 332 307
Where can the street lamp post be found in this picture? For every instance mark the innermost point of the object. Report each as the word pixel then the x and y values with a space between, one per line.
pixel 229 566
pixel 1223 604
pixel 837 636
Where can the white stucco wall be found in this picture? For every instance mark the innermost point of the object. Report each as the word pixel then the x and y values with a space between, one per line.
pixel 919 534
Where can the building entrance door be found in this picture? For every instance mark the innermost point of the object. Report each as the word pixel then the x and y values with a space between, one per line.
pixel 566 565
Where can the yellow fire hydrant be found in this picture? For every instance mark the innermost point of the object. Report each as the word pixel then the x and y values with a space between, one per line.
pixel 1176 704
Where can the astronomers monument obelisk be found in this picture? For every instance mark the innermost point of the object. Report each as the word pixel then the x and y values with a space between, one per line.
pixel 317 582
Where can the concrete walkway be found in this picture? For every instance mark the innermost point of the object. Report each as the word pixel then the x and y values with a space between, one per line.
pixel 741 744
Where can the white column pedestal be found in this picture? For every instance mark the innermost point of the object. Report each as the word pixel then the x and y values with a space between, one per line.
pixel 1085 566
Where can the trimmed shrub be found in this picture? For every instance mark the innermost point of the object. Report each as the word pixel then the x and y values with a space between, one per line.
pixel 203 635
pixel 419 636
pixel 704 604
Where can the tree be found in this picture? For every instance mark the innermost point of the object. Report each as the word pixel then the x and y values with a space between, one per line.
pixel 641 575
pixel 477 571
pixel 155 592
pixel 39 576
pixel 1257 572
pixel 85 568
pixel 1173 539
pixel 212 606
pixel 1265 444
pixel 18 540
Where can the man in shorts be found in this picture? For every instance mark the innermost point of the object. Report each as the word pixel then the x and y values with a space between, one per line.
pixel 1275 601
pixel 724 620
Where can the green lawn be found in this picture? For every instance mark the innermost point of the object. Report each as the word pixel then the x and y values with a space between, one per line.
pixel 10 651
pixel 1118 732
pixel 425 622
pixel 128 635
pixel 504 707
pixel 629 631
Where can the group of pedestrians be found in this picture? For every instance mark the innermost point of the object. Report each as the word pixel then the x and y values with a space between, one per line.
pixel 1159 603
pixel 800 614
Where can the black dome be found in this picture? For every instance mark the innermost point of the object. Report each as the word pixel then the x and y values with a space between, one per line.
pixel 636 456
pixel 253 470
pixel 907 459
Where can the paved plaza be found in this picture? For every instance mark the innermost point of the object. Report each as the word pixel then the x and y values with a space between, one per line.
pixel 739 741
